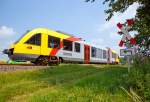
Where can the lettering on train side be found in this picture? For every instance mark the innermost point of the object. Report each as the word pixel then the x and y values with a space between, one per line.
pixel 67 54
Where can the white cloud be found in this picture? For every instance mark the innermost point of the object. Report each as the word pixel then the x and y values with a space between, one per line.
pixel 6 39
pixel 6 31
pixel 114 35
pixel 6 44
pixel 118 17
pixel 98 42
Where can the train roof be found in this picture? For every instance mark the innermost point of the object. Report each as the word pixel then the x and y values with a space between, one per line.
pixel 72 37
pixel 67 36
pixel 47 29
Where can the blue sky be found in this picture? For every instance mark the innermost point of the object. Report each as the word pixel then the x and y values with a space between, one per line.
pixel 85 20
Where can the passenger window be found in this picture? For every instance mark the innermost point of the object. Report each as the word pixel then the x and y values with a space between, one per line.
pixel 34 40
pixel 99 53
pixel 53 42
pixel 77 47
pixel 67 45
pixel 104 54
pixel 93 52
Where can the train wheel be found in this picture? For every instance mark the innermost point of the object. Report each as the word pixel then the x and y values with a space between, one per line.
pixel 60 60
pixel 42 60
pixel 53 60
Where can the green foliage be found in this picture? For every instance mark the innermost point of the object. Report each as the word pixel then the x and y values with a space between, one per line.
pixel 139 78
pixel 142 17
pixel 64 83
pixel 89 0
pixel 122 60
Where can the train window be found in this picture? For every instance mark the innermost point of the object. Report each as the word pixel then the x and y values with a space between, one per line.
pixel 35 40
pixel 67 45
pixel 77 47
pixel 104 54
pixel 93 52
pixel 53 42
pixel 99 53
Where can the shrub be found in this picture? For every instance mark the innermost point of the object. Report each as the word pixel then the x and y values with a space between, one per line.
pixel 139 77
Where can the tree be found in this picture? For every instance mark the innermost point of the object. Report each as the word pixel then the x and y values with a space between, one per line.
pixel 142 17
pixel 139 77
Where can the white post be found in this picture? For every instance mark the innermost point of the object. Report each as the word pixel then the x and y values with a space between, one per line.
pixel 128 58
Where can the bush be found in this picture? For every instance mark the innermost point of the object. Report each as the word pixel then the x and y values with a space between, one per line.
pixel 139 77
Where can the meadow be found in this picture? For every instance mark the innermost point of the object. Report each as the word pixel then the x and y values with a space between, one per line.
pixel 65 83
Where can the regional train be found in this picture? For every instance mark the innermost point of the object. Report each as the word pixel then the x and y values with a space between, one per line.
pixel 42 46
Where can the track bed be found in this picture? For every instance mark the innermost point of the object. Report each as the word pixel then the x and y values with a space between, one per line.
pixel 14 67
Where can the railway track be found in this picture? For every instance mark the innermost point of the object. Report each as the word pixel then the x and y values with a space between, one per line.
pixel 15 67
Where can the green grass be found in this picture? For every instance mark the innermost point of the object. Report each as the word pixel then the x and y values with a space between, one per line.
pixel 65 83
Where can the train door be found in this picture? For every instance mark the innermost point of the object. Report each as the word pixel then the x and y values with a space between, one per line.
pixel 86 54
pixel 109 56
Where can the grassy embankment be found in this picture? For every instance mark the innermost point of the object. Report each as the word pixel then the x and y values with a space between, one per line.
pixel 64 83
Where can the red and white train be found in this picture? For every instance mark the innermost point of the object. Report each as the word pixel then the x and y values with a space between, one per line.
pixel 43 46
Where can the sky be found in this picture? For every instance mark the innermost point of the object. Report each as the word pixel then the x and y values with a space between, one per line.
pixel 84 20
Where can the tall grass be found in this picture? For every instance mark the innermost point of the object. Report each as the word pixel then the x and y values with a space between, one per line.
pixel 139 79
pixel 65 83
